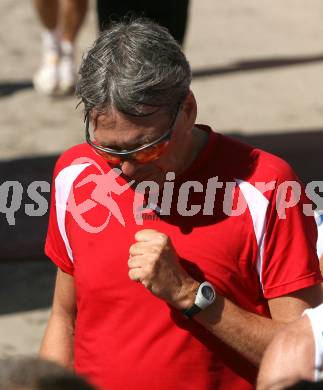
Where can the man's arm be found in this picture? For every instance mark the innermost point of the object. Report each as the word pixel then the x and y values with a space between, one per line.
pixel 289 357
pixel 153 262
pixel 248 333
pixel 57 344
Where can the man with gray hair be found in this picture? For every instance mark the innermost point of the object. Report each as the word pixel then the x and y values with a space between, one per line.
pixel 175 270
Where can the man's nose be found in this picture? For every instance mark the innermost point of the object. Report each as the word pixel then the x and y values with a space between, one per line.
pixel 129 167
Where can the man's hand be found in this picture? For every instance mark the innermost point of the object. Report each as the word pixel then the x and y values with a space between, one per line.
pixel 154 263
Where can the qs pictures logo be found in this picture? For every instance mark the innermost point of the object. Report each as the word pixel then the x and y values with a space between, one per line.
pixel 106 186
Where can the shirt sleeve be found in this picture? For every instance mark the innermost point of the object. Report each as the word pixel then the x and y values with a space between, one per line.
pixel 56 246
pixel 289 261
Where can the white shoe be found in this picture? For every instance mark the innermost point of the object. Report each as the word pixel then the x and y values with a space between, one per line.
pixel 66 75
pixel 46 78
pixel 66 69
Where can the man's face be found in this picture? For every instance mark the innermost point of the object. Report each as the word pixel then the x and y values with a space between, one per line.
pixel 121 132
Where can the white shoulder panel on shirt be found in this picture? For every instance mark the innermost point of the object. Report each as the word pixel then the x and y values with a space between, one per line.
pixel 319 221
pixel 257 204
pixel 63 184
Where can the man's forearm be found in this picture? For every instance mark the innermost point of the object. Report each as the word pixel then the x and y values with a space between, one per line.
pixel 58 341
pixel 247 333
pixel 154 263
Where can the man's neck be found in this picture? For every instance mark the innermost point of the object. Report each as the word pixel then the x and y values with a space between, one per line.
pixel 199 140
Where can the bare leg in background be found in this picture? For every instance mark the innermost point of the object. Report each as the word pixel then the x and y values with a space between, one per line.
pixel 61 21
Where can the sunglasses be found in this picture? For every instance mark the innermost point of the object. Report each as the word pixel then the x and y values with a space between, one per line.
pixel 142 155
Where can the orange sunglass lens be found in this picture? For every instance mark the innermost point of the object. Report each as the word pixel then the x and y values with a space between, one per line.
pixel 109 157
pixel 150 154
pixel 142 157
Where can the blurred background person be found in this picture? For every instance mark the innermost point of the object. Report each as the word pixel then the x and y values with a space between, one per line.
pixel 306 385
pixel 169 13
pixel 61 21
pixel 295 353
pixel 31 373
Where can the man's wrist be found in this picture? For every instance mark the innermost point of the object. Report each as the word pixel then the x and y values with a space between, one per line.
pixel 186 296
pixel 205 296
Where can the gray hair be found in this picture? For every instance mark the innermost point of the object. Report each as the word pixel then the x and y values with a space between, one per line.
pixel 132 64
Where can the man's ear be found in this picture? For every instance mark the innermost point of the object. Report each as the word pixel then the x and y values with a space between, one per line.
pixel 190 109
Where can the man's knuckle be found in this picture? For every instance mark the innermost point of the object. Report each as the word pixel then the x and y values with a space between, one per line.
pixel 133 248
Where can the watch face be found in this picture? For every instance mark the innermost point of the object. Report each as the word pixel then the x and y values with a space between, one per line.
pixel 207 292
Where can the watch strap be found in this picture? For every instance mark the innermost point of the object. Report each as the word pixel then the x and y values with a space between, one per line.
pixel 189 313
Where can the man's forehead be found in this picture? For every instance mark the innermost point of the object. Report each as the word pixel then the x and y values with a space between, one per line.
pixel 112 118
pixel 114 129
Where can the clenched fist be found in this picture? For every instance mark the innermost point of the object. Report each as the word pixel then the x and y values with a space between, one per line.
pixel 154 262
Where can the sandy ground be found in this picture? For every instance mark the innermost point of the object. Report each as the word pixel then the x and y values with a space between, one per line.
pixel 258 67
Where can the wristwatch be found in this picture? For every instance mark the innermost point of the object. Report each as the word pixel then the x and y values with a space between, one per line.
pixel 205 296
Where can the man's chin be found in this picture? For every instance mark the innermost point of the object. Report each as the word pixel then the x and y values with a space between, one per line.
pixel 157 176
pixel 149 179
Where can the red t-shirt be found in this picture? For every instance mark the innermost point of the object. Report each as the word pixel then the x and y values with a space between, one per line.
pixel 126 338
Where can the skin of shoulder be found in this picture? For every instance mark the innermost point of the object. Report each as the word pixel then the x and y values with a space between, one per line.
pixel 289 357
